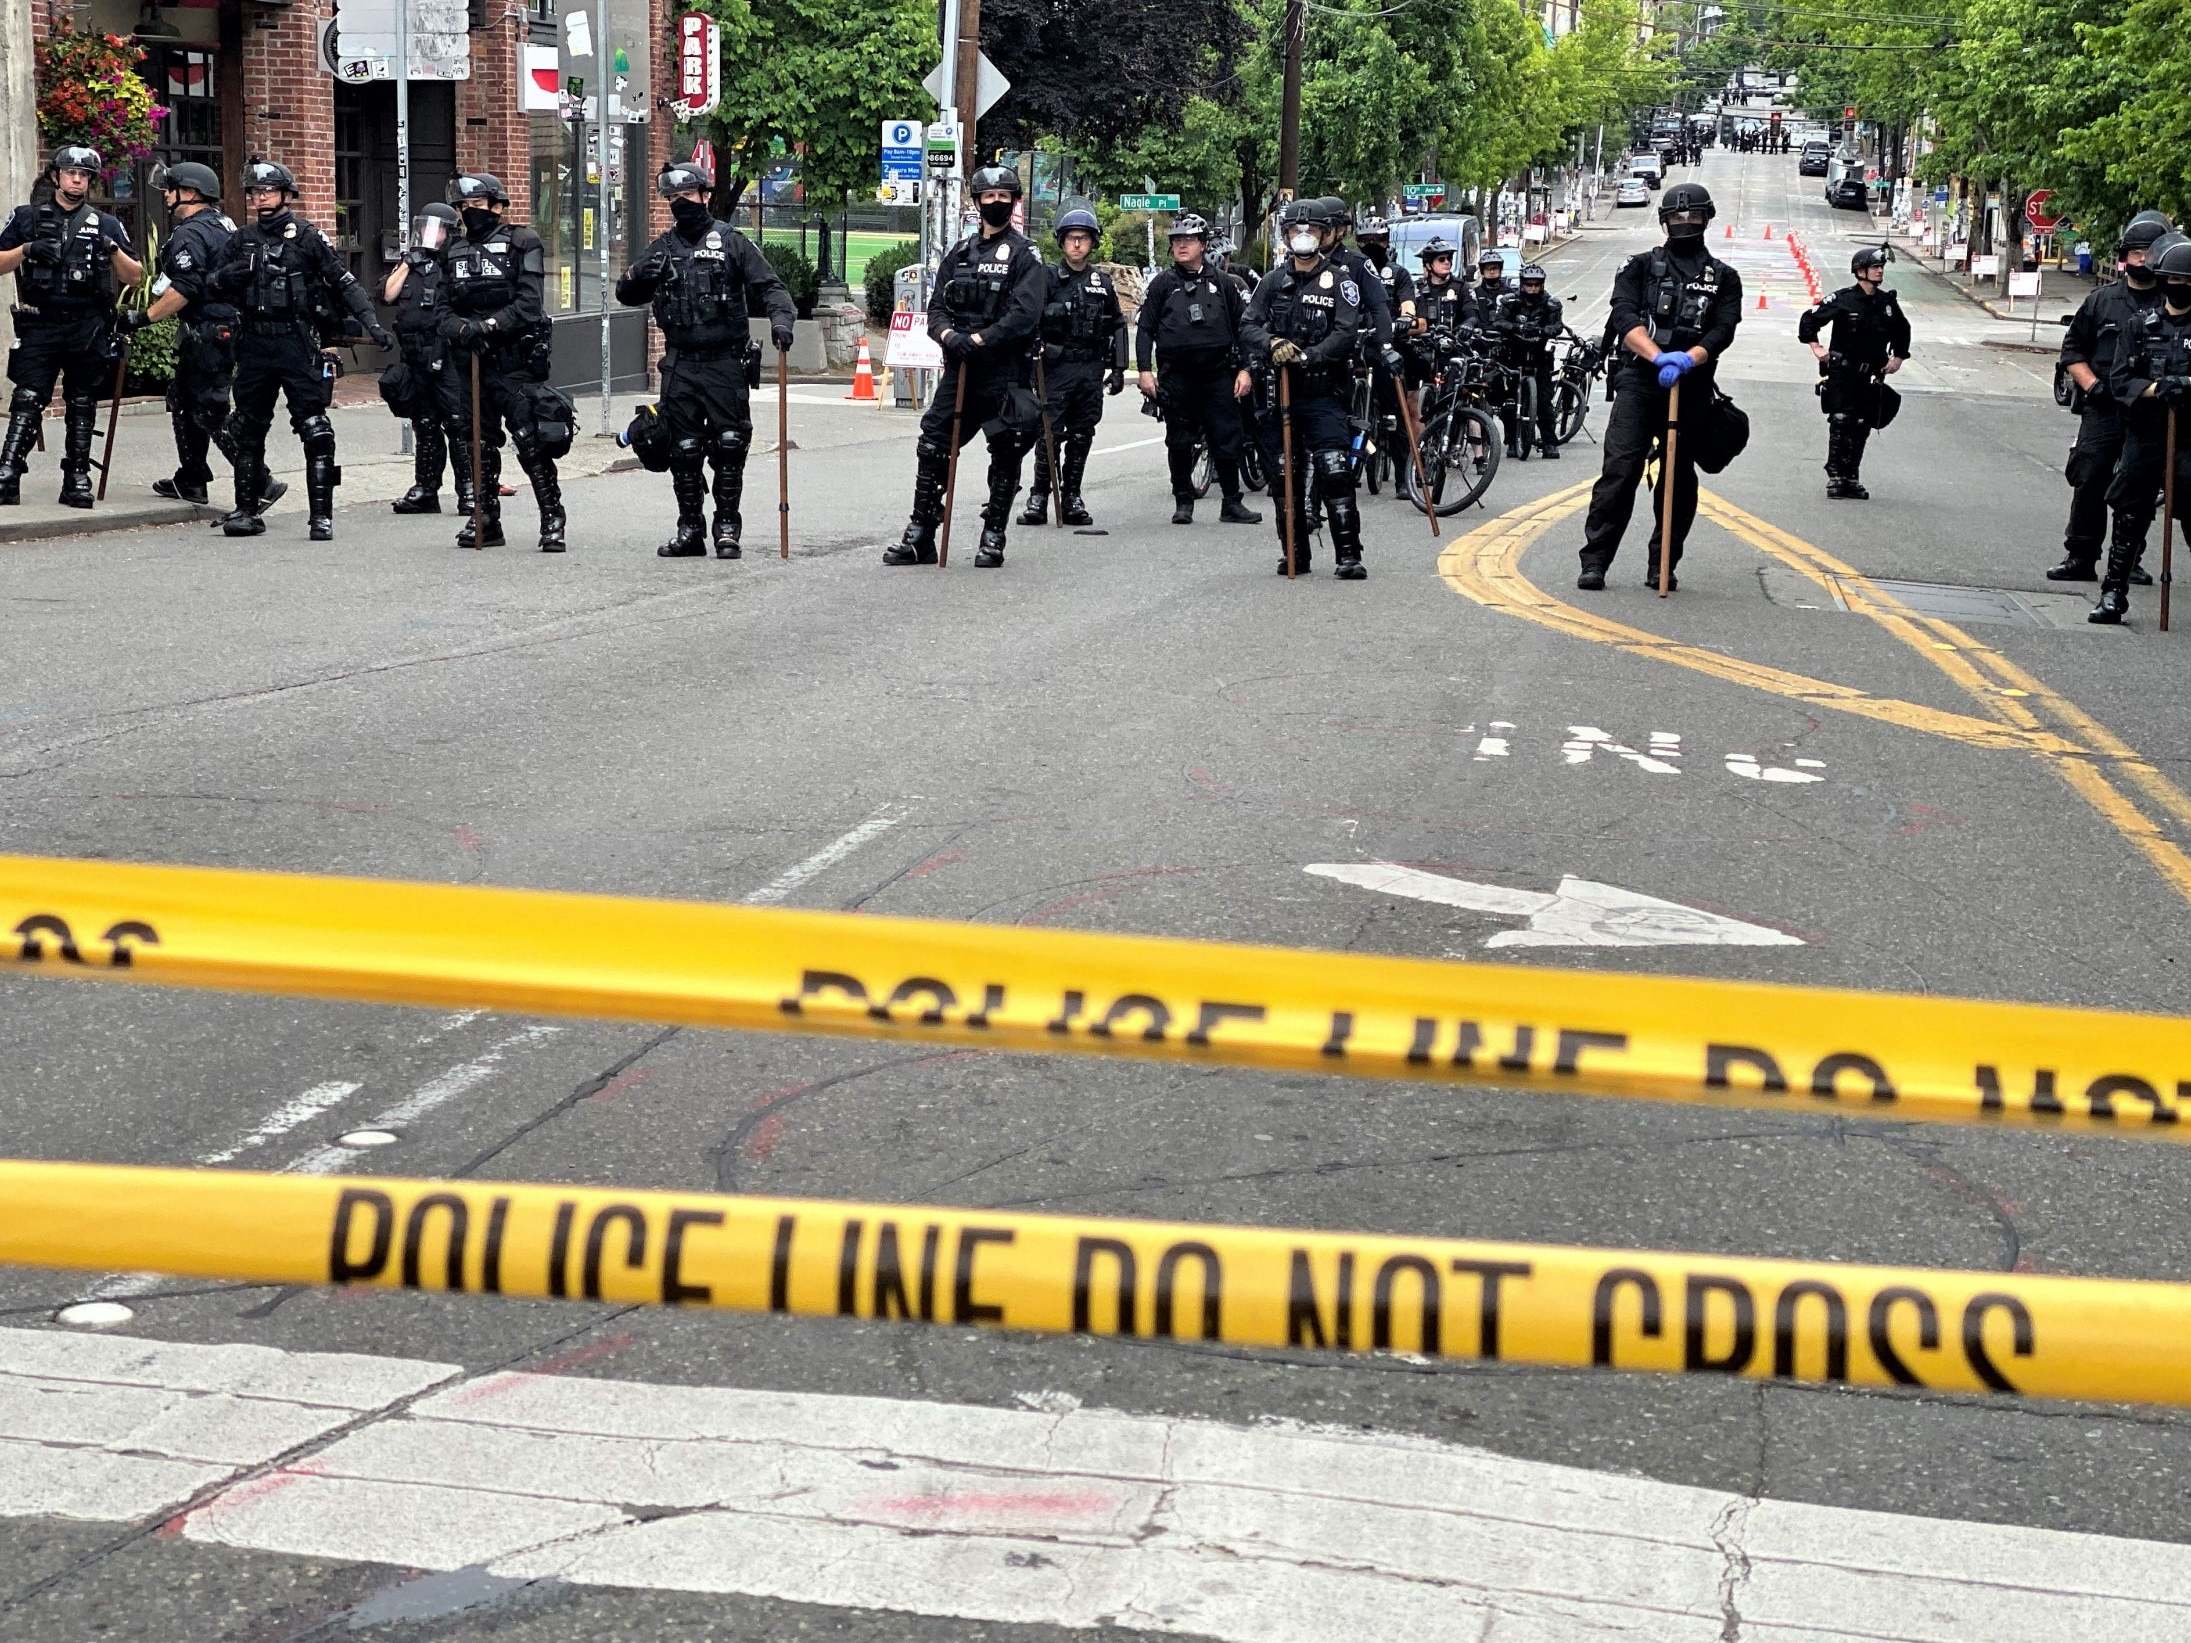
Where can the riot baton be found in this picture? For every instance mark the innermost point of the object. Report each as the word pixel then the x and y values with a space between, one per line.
pixel 479 479
pixel 2168 517
pixel 1285 463
pixel 114 411
pixel 1666 492
pixel 783 454
pixel 951 475
pixel 1056 510
pixel 1415 451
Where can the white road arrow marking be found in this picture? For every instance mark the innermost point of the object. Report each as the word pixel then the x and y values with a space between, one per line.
pixel 1580 913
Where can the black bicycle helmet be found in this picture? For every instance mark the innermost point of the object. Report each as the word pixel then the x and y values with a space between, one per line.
pixel 1435 247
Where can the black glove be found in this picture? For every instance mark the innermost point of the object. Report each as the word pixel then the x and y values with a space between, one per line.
pixel 379 334
pixel 1117 384
pixel 42 254
pixel 420 259
pixel 459 332
pixel 957 344
pixel 781 336
pixel 132 319
pixel 2173 390
pixel 1394 364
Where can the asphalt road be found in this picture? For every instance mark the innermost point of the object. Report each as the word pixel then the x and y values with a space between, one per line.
pixel 1139 731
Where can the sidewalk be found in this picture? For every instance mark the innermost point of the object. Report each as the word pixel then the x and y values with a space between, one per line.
pixel 2061 291
pixel 367 442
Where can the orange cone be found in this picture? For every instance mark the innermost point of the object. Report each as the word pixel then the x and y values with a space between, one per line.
pixel 1730 231
pixel 1761 302
pixel 863 377
pixel 1768 230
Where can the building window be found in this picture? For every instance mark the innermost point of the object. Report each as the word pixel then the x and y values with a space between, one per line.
pixel 349 171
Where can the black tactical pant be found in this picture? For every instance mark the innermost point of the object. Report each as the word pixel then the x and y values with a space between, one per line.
pixel 273 361
pixel 1638 418
pixel 68 350
pixel 707 411
pixel 1000 403
pixel 505 402
pixel 2093 460
pixel 1075 389
pixel 2135 495
pixel 1195 391
pixel 1322 435
pixel 198 393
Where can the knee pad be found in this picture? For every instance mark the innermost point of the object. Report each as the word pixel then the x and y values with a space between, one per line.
pixel 317 435
pixel 246 430
pixel 729 442
pixel 24 402
pixel 930 450
pixel 1332 466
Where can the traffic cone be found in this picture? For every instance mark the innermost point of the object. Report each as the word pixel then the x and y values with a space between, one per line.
pixel 863 376
pixel 1761 302
pixel 1730 231
pixel 1768 230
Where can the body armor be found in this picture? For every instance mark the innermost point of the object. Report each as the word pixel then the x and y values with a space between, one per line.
pixel 701 300
pixel 83 279
pixel 1077 318
pixel 282 284
pixel 1680 308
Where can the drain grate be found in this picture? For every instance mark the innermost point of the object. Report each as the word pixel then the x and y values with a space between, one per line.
pixel 1948 601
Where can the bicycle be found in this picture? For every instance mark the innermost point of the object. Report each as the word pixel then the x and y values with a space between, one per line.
pixel 1252 477
pixel 1576 381
pixel 1462 438
pixel 1375 434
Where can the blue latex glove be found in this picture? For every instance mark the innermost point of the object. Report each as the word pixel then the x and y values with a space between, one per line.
pixel 1673 367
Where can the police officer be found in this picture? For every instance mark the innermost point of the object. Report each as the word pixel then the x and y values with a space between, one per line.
pixel 1442 303
pixel 2151 381
pixel 1306 319
pixel 698 276
pixel 1191 315
pixel 205 329
pixel 1491 284
pixel 498 314
pixel 1527 321
pixel 985 316
pixel 1871 339
pixel 1083 342
pixel 1373 240
pixel 418 287
pixel 275 270
pixel 66 256
pixel 2109 314
pixel 1675 309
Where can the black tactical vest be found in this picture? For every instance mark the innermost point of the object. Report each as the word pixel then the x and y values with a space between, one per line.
pixel 701 300
pixel 284 284
pixel 1077 316
pixel 424 299
pixel 974 296
pixel 84 277
pixel 483 273
pixel 196 248
pixel 1680 307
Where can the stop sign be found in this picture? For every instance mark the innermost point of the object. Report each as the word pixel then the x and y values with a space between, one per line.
pixel 2036 213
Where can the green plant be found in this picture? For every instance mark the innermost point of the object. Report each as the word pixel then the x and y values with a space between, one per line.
pixel 152 353
pixel 88 92
pixel 796 270
pixel 882 279
pixel 1127 240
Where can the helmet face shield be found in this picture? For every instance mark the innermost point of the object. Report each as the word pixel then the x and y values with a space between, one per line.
pixel 429 233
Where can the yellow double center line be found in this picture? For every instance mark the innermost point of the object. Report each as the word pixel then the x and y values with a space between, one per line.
pixel 2020 713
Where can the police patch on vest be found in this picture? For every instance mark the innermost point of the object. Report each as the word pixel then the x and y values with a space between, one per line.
pixel 1349 290
pixel 182 259
pixel 1325 282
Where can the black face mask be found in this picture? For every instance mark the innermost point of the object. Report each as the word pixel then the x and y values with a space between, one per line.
pixel 996 213
pixel 690 215
pixel 2178 297
pixel 1680 231
pixel 2141 277
pixel 270 215
pixel 477 221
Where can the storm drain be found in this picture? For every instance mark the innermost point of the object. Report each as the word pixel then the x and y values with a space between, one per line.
pixel 1948 601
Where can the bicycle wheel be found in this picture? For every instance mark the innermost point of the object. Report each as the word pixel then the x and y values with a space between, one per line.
pixel 1525 409
pixel 1251 466
pixel 1205 471
pixel 1461 450
pixel 1573 402
pixel 1373 462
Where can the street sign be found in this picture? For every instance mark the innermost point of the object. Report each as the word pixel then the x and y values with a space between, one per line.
pixel 943 146
pixel 699 65
pixel 1428 193
pixel 989 85
pixel 901 193
pixel 2036 213
pixel 1148 202
pixel 441 46
pixel 901 151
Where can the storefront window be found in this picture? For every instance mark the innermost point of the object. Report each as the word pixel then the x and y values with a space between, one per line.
pixel 568 211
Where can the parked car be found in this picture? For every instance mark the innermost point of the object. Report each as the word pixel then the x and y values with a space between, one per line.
pixel 1411 234
pixel 1845 188
pixel 1632 191
pixel 1814 160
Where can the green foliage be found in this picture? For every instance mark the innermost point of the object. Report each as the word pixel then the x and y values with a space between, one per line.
pixel 796 270
pixel 882 269
pixel 152 354
pixel 1126 238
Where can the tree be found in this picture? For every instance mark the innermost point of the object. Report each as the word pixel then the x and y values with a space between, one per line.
pixel 1093 79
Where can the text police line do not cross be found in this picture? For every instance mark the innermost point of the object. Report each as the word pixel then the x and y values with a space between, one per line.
pixel 1986 1332
pixel 1011 988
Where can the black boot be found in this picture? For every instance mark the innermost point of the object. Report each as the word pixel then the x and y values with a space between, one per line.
pixel 429 453
pixel 918 545
pixel 2122 558
pixel 730 487
pixel 996 516
pixel 80 422
pixel 1181 463
pixel 1037 511
pixel 691 540
pixel 192 475
pixel 1183 509
pixel 2140 577
pixel 1075 461
pixel 489 481
pixel 243 519
pixel 320 476
pixel 266 490
pixel 548 493
pixel 2079 564
pixel 1234 511
pixel 23 417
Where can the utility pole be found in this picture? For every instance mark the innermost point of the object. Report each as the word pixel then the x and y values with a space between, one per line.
pixel 966 81
pixel 19 157
pixel 1289 112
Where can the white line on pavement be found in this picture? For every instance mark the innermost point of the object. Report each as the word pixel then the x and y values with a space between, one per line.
pixel 437 1091
pixel 286 1117
pixel 784 883
pixel 1046 1515
pixel 1130 445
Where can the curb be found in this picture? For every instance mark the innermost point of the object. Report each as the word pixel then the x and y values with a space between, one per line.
pixel 89 523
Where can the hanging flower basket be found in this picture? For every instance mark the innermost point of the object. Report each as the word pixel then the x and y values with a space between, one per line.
pixel 89 92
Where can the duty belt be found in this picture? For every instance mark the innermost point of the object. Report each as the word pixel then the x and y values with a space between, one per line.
pixel 711 351
pixel 260 326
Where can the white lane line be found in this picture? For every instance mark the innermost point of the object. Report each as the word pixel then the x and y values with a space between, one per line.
pixel 1130 445
pixel 784 883
pixel 436 1092
pixel 286 1117
pixel 447 1025
pixel 1048 1515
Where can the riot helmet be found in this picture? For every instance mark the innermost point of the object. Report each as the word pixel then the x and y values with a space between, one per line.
pixel 1685 210
pixel 991 177
pixel 434 227
pixel 188 177
pixel 473 189
pixel 2173 266
pixel 265 177
pixel 1868 257
pixel 1080 219
pixel 680 178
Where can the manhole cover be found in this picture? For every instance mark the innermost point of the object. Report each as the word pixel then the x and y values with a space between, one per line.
pixel 1947 601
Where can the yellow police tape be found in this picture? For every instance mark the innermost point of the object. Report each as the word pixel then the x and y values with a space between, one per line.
pixel 1506 1303
pixel 1006 988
